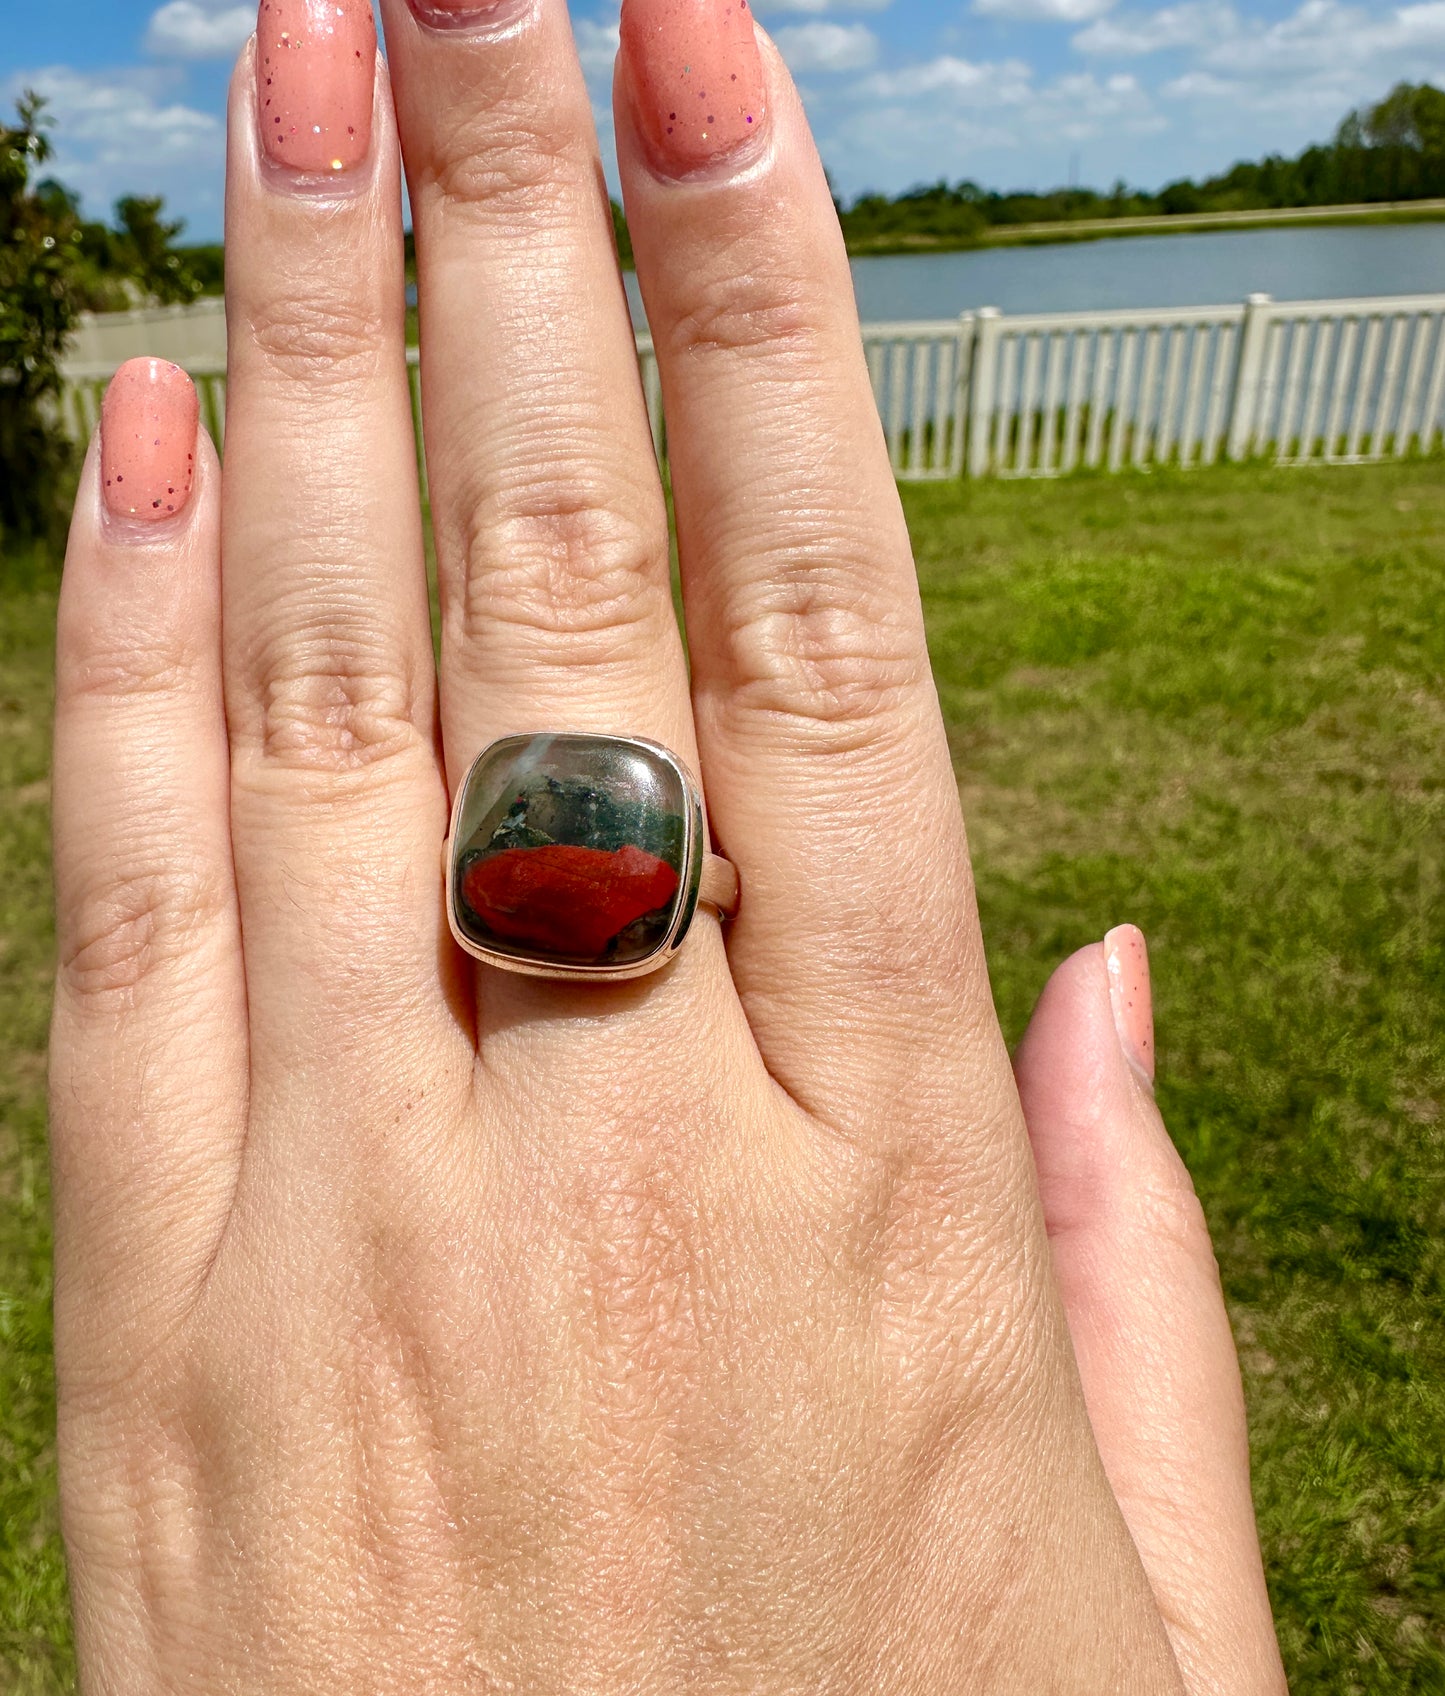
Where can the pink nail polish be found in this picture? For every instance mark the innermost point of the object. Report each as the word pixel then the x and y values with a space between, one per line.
pixel 697 78
pixel 315 70
pixel 1127 957
pixel 148 440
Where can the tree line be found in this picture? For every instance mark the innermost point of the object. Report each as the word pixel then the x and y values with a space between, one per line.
pixel 1393 150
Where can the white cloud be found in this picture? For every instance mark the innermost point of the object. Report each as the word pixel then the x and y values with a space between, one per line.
pixel 1056 11
pixel 1004 82
pixel 121 114
pixel 199 29
pixel 1081 106
pixel 815 8
pixel 596 45
pixel 1249 84
pixel 1200 85
pixel 955 117
pixel 120 132
pixel 1324 40
pixel 1294 77
pixel 827 47
pixel 1194 23
pixel 1323 36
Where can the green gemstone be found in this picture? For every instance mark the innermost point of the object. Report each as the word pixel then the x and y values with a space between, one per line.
pixel 579 852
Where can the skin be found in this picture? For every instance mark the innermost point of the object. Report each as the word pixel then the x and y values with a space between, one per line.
pixel 751 1327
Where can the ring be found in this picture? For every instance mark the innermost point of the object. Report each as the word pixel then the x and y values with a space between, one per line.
pixel 579 856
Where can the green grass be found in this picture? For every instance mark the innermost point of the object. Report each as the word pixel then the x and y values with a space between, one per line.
pixel 34 1627
pixel 1212 703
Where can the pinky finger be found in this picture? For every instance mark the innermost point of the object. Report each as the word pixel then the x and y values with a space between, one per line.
pixel 1141 1293
pixel 148 1042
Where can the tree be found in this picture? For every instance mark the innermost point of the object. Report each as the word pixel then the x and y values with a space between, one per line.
pixel 1395 149
pixel 146 244
pixel 1411 116
pixel 39 299
pixel 1181 196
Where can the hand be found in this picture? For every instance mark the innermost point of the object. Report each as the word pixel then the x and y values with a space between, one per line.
pixel 429 1329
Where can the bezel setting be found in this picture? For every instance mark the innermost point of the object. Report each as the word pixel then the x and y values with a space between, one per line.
pixel 530 961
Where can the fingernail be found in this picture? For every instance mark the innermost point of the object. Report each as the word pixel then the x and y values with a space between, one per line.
pixel 1128 960
pixel 440 13
pixel 696 76
pixel 315 70
pixel 148 440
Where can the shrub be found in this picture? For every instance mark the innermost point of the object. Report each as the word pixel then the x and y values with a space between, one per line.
pixel 39 298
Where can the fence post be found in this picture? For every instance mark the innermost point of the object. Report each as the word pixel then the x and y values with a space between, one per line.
pixel 1244 402
pixel 983 380
pixel 962 389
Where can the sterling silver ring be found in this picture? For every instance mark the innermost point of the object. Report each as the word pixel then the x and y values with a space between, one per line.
pixel 580 856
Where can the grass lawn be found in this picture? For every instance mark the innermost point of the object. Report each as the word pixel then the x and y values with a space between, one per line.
pixel 1212 703
pixel 34 1629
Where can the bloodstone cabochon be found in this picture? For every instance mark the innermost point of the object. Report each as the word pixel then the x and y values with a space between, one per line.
pixel 575 851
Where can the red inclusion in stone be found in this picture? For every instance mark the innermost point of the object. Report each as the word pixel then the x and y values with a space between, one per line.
pixel 565 899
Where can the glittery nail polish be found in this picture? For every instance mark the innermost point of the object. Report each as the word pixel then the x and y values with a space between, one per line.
pixel 148 440
pixel 696 76
pixel 315 71
pixel 1127 958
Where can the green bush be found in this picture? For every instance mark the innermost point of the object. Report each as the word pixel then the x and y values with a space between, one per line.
pixel 40 295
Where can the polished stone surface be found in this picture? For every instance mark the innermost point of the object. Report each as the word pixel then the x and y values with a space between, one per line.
pixel 570 851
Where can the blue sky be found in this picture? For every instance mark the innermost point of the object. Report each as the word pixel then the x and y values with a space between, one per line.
pixel 1011 92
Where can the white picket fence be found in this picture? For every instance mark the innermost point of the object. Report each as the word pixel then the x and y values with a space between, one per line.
pixel 1302 382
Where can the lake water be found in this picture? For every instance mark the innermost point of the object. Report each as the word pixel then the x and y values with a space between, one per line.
pixel 1185 270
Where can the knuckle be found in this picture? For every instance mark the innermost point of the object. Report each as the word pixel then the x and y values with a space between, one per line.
pixel 122 933
pixel 503 162
pixel 815 655
pixel 1171 1214
pixel 330 699
pixel 741 313
pixel 317 337
pixel 123 658
pixel 335 719
pixel 577 582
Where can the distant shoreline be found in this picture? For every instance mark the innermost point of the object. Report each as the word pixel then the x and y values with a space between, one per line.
pixel 1065 230
pixel 1176 223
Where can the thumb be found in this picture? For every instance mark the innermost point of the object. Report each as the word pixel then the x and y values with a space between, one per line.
pixel 1141 1292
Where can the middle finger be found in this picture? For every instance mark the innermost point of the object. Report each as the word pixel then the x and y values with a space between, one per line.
pixel 550 525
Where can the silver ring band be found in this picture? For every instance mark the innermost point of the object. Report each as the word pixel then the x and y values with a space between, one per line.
pixel 719 886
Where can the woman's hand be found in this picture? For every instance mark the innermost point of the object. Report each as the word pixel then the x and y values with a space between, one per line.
pixel 423 1328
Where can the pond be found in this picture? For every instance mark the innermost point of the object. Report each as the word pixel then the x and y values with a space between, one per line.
pixel 1207 269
